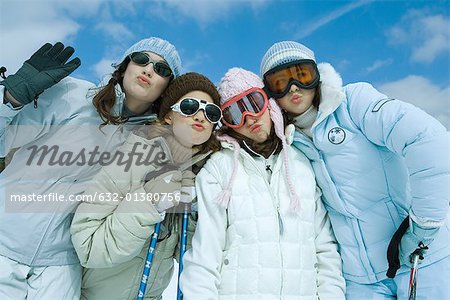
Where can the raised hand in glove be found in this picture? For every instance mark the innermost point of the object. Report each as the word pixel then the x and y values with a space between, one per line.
pixel 187 187
pixel 44 69
pixel 165 190
pixel 413 236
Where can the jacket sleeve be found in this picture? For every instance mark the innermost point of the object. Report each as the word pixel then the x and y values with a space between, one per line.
pixel 200 278
pixel 330 281
pixel 112 228
pixel 14 132
pixel 58 105
pixel 7 112
pixel 414 135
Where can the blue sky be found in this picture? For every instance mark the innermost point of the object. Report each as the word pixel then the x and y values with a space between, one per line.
pixel 401 47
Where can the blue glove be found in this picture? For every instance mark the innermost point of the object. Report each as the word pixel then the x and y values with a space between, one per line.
pixel 413 236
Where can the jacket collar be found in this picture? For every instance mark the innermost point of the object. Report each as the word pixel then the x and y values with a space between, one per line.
pixel 117 109
pixel 289 132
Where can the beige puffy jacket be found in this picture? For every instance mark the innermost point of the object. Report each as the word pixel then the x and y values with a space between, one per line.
pixel 111 235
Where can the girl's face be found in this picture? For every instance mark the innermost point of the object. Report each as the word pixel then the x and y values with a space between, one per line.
pixel 256 129
pixel 141 84
pixel 191 130
pixel 297 101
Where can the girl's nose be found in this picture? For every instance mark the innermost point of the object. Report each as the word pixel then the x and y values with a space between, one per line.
pixel 250 120
pixel 200 116
pixel 293 88
pixel 148 70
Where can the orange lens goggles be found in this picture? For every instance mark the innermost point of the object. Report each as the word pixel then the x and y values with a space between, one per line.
pixel 302 73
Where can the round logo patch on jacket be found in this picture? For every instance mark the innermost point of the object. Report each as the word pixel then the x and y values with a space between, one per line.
pixel 336 135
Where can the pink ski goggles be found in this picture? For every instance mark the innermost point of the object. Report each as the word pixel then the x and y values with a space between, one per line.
pixel 252 102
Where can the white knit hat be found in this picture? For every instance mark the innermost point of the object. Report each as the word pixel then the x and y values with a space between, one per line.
pixel 158 46
pixel 284 52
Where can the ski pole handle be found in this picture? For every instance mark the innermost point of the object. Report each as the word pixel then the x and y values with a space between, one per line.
pixel 148 262
pixel 414 259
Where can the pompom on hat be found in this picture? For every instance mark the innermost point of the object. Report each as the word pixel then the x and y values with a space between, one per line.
pixel 284 52
pixel 158 46
pixel 234 82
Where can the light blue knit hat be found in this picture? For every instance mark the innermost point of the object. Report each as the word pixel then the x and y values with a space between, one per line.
pixel 282 53
pixel 159 46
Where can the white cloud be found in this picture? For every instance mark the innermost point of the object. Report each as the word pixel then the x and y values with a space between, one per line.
pixel 26 25
pixel 203 11
pixel 308 29
pixel 196 61
pixel 343 64
pixel 116 31
pixel 422 93
pixel 103 68
pixel 427 35
pixel 379 64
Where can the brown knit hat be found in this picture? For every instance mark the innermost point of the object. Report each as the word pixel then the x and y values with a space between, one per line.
pixel 184 84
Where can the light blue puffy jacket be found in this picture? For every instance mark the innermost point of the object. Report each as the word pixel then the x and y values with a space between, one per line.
pixel 377 160
pixel 36 233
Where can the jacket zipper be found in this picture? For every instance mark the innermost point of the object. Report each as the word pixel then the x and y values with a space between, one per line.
pixel 280 219
pixel 38 248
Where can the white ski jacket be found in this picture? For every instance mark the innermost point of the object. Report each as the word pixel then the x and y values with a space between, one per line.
pixel 257 248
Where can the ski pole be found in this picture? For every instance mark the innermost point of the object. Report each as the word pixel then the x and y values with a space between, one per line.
pixel 182 248
pixel 148 262
pixel 415 257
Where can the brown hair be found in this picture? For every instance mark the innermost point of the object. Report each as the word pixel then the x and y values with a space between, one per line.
pixel 212 144
pixel 317 95
pixel 273 142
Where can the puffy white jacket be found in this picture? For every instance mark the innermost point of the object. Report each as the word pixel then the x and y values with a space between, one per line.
pixel 257 248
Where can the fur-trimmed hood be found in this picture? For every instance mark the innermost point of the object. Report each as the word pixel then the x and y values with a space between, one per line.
pixel 331 91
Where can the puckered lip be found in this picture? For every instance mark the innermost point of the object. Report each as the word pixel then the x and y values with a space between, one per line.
pixel 144 79
pixel 255 127
pixel 198 126
pixel 296 98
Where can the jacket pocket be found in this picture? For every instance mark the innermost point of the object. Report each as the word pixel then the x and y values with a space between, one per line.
pixel 228 272
pixel 119 282
pixel 394 213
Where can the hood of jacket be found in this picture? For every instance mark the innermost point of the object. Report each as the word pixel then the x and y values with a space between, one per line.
pixel 331 91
